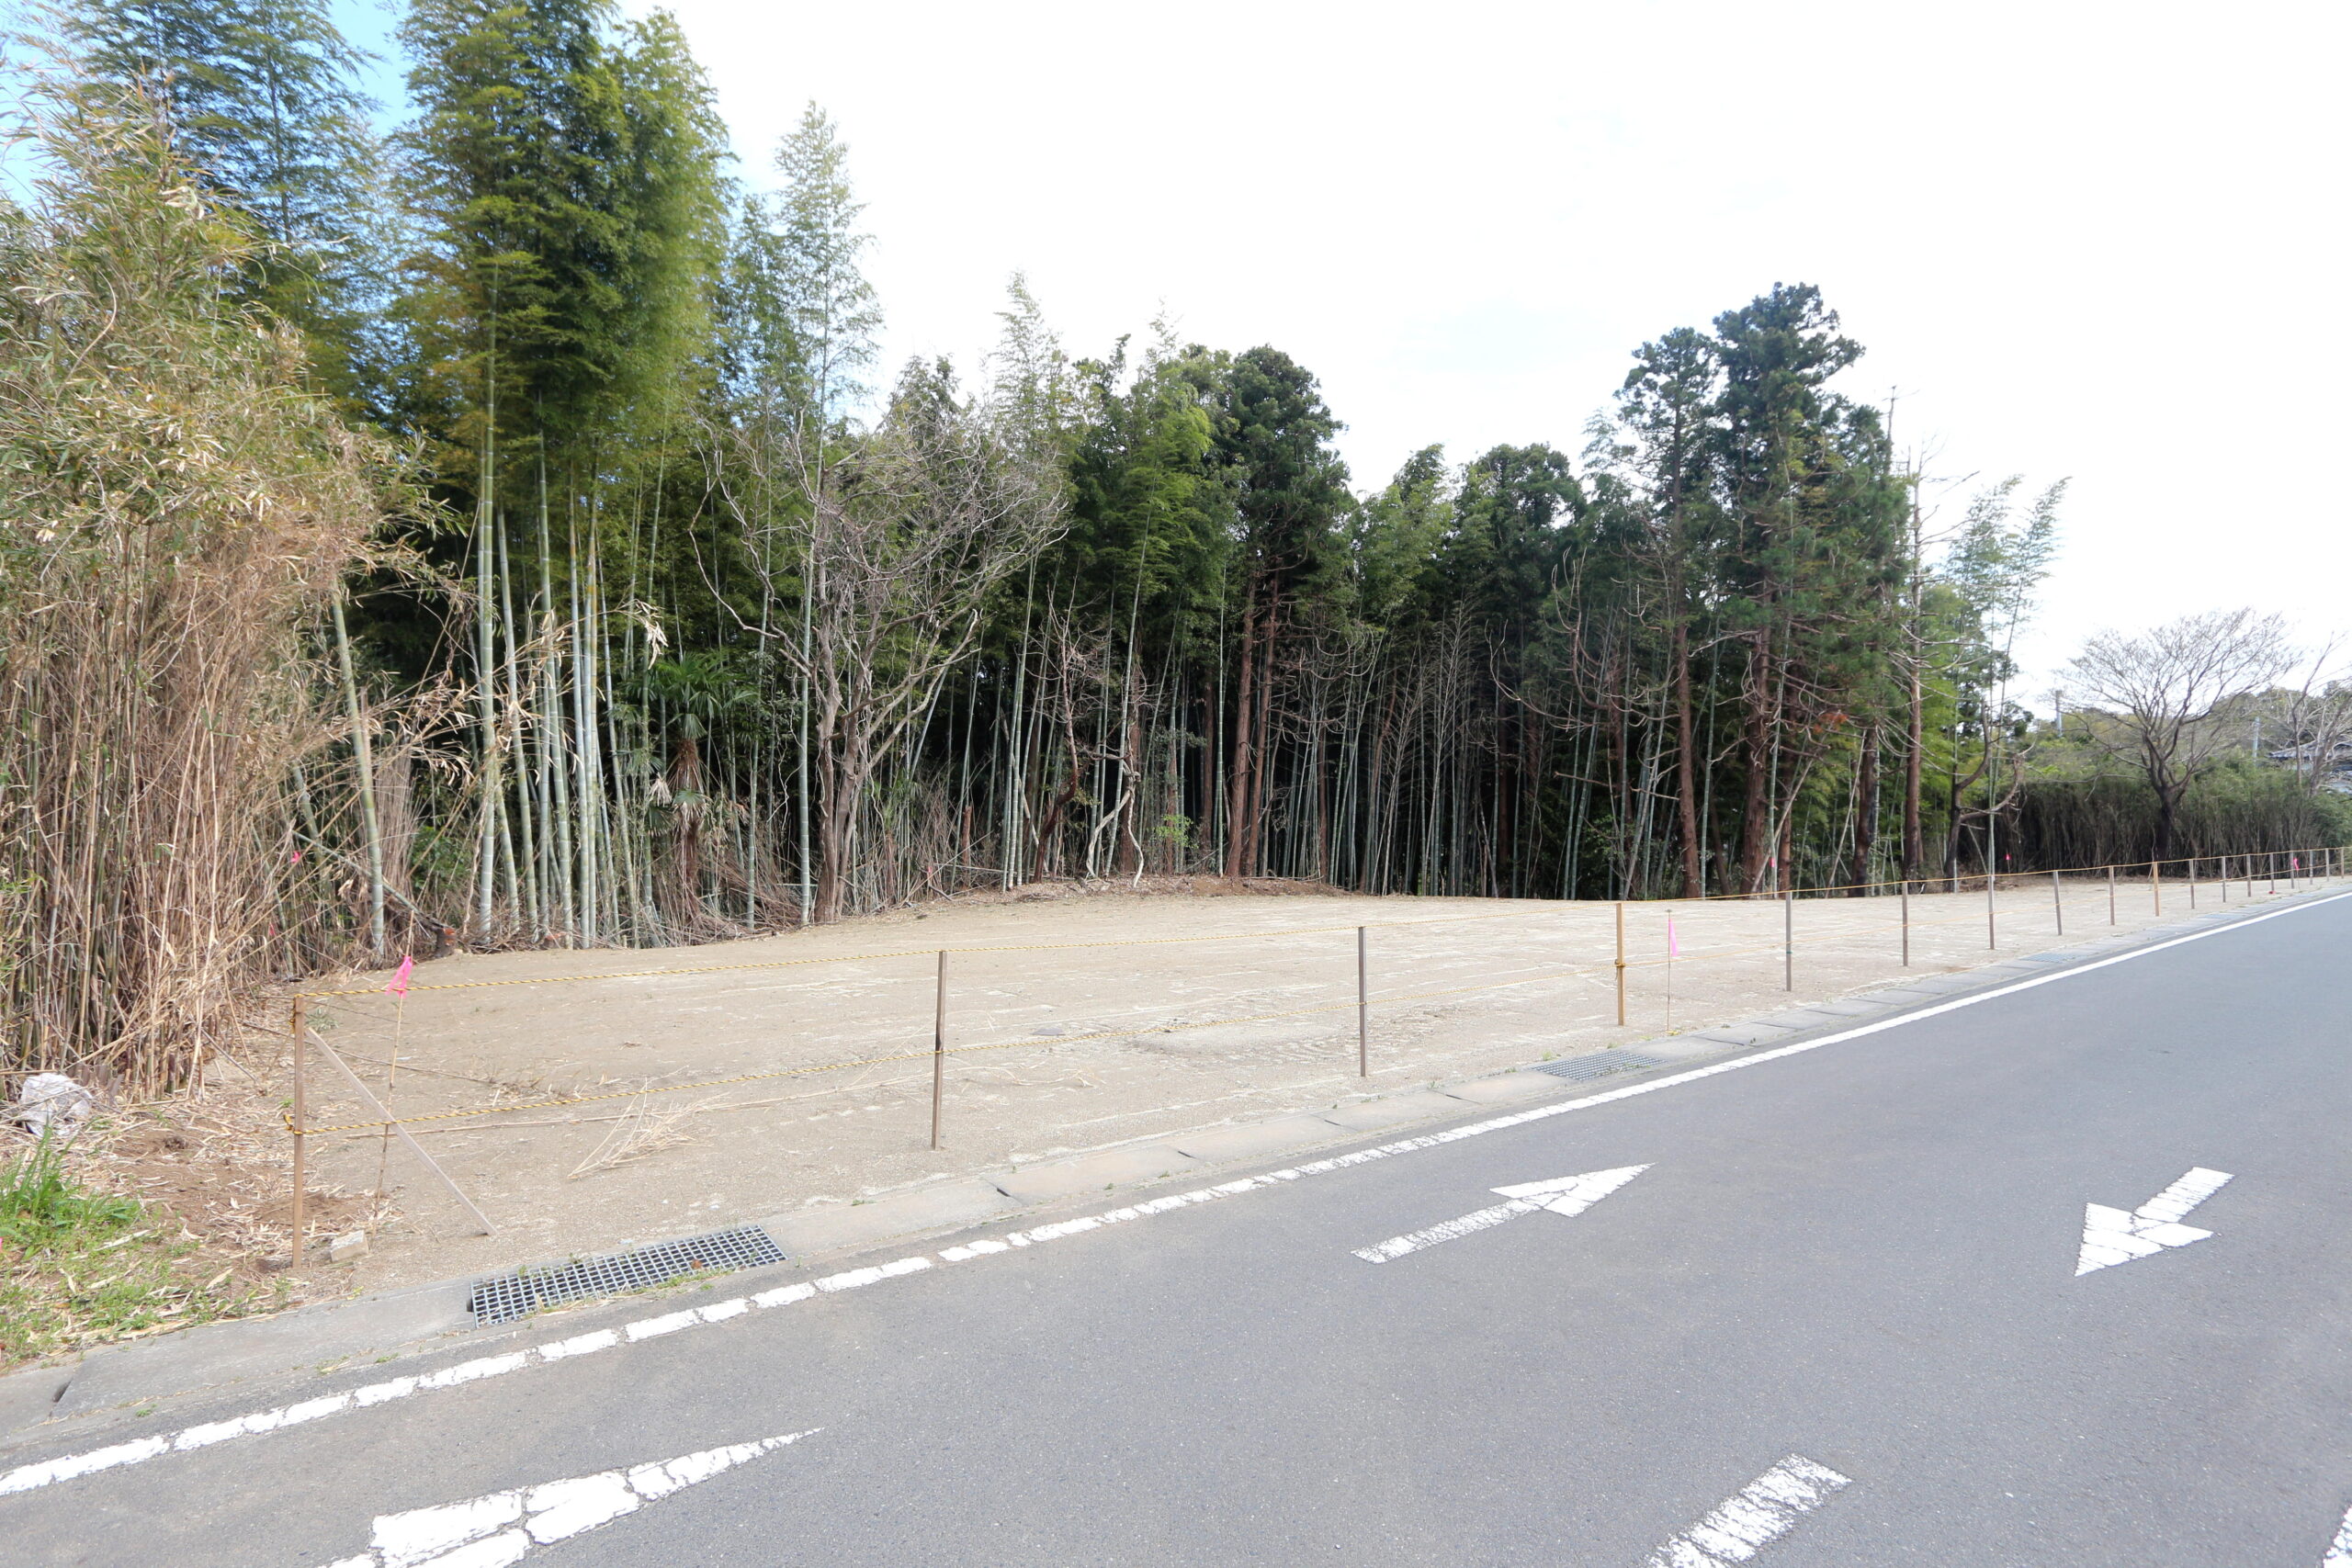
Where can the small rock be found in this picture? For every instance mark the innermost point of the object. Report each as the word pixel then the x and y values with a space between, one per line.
pixel 347 1248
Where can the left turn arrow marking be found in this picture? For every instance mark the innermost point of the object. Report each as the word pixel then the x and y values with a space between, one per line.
pixel 2111 1236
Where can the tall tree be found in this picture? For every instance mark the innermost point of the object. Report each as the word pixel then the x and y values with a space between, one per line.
pixel 1809 496
pixel 910 531
pixel 2165 693
pixel 265 99
pixel 567 175
pixel 799 333
pixel 1662 450
pixel 1273 436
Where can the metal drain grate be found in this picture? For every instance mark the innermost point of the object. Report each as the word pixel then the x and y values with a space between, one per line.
pixel 526 1290
pixel 1598 1066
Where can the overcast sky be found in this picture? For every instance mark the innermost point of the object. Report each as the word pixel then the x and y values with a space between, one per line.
pixel 2096 242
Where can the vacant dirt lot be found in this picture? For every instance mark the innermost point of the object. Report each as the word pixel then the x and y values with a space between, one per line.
pixel 1074 1023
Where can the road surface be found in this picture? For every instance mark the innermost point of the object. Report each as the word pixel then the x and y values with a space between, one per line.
pixel 2055 1277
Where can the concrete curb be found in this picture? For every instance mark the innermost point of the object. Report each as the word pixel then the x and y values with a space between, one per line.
pixel 202 1361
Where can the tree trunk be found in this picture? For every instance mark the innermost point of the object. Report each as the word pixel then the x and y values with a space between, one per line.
pixel 844 765
pixel 1914 843
pixel 1756 811
pixel 1239 807
pixel 2168 816
pixel 1686 768
pixel 1866 813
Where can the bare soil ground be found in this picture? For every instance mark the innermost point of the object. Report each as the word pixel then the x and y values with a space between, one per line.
pixel 1075 1022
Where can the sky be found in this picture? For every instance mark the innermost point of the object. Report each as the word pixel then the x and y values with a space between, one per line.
pixel 2086 242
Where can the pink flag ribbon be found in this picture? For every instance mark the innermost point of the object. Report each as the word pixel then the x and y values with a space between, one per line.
pixel 1673 948
pixel 399 987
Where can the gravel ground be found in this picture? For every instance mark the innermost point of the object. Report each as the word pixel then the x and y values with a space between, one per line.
pixel 1459 987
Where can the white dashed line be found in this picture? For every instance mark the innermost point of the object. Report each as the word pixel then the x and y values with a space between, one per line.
pixel 25 1478
pixel 1753 1518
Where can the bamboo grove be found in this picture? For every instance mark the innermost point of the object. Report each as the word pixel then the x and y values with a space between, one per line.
pixel 682 617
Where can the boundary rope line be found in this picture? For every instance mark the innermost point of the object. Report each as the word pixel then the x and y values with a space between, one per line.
pixel 562 1103
pixel 1548 907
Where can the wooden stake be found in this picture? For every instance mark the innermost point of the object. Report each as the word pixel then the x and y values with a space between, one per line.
pixel 1992 925
pixel 1621 965
pixel 2157 886
pixel 938 1049
pixel 1788 940
pixel 2058 902
pixel 2111 895
pixel 301 1122
pixel 1670 945
pixel 1363 1009
pixel 1907 923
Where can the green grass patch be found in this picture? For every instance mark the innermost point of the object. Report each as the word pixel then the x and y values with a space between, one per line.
pixel 80 1267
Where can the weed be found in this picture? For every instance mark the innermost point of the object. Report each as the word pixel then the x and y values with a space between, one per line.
pixel 39 1206
pixel 80 1267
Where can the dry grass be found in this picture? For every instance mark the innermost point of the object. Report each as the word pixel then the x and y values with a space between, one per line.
pixel 643 1129
pixel 177 510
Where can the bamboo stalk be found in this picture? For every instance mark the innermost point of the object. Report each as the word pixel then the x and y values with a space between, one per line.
pixel 364 753
pixel 301 1126
pixel 939 1050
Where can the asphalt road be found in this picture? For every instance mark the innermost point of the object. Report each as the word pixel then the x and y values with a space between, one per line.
pixel 1861 1257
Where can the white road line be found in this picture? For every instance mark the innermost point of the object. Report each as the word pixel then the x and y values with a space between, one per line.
pixel 25 1478
pixel 1753 1518
pixel 1569 1195
pixel 500 1527
pixel 2339 1554
pixel 1485 1219
pixel 2111 1236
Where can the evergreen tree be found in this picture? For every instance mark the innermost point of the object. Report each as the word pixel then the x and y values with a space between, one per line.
pixel 1273 441
pixel 1812 519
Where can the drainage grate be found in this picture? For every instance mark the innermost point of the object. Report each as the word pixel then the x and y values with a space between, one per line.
pixel 526 1290
pixel 1598 1066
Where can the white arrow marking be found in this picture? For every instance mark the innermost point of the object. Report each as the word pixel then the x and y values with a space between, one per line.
pixel 1753 1518
pixel 500 1527
pixel 1569 1195
pixel 2339 1554
pixel 2111 1236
